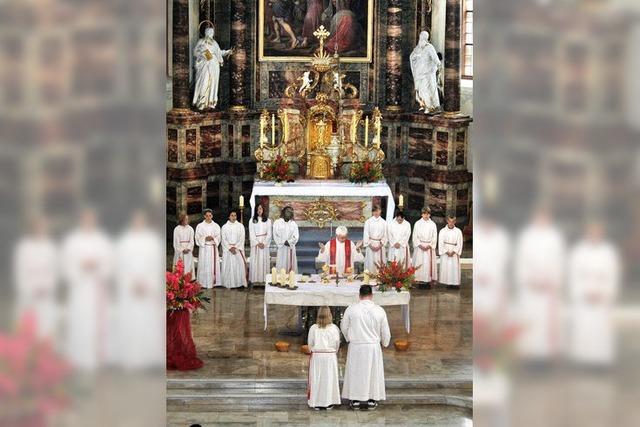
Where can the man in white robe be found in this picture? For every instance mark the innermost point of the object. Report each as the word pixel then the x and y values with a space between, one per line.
pixel 286 235
pixel 539 271
pixel 208 239
pixel 594 274
pixel 36 278
pixel 208 58
pixel 398 235
pixel 340 253
pixel 183 242
pixel 424 67
pixel 260 240
pixel 450 248
pixel 87 262
pixel 365 326
pixel 374 240
pixel 234 263
pixel 425 239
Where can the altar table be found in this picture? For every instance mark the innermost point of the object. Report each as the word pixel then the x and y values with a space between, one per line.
pixel 317 294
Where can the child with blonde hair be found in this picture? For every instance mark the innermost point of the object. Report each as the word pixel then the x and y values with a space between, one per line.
pixel 323 388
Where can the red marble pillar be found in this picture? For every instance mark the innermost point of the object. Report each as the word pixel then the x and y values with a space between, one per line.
pixel 394 56
pixel 452 57
pixel 180 67
pixel 239 58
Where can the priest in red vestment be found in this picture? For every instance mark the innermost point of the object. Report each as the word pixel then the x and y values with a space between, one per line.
pixel 340 253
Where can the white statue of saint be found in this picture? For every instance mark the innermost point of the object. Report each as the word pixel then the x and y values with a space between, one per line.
pixel 424 66
pixel 208 58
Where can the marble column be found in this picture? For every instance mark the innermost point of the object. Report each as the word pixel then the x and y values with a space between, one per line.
pixel 452 57
pixel 206 12
pixel 239 58
pixel 180 68
pixel 394 56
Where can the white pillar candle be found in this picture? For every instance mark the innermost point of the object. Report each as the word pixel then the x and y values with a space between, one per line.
pixel 366 132
pixel 273 130
pixel 401 201
pixel 241 201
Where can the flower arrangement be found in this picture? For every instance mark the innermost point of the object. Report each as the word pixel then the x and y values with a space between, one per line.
pixel 277 170
pixel 395 276
pixel 32 376
pixel 365 172
pixel 182 291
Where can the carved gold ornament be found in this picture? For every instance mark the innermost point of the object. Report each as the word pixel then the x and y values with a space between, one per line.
pixel 321 212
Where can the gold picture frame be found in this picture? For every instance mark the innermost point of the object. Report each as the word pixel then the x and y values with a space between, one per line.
pixel 263 57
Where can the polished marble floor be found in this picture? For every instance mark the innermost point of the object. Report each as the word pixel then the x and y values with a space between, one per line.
pixel 230 338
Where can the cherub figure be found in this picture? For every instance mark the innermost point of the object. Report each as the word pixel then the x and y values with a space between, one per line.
pixel 306 82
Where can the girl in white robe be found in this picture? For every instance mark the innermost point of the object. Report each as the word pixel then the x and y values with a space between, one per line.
pixel 260 239
pixel 450 248
pixel 324 342
pixel 425 239
pixel 286 235
pixel 374 239
pixel 208 239
pixel 234 264
pixel 183 242
pixel 398 235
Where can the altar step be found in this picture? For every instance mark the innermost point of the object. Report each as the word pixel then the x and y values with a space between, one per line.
pixel 211 395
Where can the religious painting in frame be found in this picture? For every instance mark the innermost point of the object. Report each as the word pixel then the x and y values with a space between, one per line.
pixel 286 27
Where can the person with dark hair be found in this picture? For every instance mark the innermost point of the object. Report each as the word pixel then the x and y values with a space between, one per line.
pixel 208 239
pixel 425 239
pixel 450 249
pixel 259 239
pixel 286 235
pixel 234 263
pixel 398 235
pixel 374 240
pixel 365 326
pixel 183 243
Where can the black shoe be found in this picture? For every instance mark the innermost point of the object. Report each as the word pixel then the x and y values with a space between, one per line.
pixel 372 404
pixel 355 405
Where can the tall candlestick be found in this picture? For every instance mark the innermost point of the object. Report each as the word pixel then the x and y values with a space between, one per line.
pixel 366 132
pixel 273 130
pixel 401 201
pixel 261 132
pixel 241 201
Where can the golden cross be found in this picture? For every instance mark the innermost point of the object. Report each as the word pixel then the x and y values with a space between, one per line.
pixel 321 33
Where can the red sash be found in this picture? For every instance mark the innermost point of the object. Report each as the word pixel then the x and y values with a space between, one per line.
pixel 347 252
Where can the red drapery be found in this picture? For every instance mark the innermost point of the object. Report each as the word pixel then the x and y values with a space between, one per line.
pixel 181 350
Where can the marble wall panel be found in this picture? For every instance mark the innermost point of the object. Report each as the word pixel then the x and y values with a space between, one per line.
pixel 190 145
pixel 194 200
pixel 172 145
pixel 210 142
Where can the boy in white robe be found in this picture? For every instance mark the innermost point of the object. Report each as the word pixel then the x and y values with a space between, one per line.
pixel 286 235
pixel 183 242
pixel 594 274
pixel 365 326
pixel 208 239
pixel 234 263
pixel 450 249
pixel 260 239
pixel 340 253
pixel 323 388
pixel 398 235
pixel 374 240
pixel 425 239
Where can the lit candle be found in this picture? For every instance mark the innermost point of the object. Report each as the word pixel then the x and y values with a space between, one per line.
pixel 366 132
pixel 261 133
pixel 241 202
pixel 401 201
pixel 273 130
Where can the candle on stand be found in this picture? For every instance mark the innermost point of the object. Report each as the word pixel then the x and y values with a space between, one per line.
pixel 401 201
pixel 241 202
pixel 366 131
pixel 261 132
pixel 273 130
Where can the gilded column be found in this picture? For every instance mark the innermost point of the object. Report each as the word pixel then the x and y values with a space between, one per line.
pixel 180 67
pixel 239 58
pixel 452 57
pixel 394 56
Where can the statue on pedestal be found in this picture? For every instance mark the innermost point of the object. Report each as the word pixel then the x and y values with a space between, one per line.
pixel 208 58
pixel 424 66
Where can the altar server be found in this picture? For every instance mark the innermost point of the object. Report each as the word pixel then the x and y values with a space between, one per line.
pixel 285 234
pixel 323 388
pixel 340 253
pixel 539 269
pixel 594 274
pixel 365 326
pixel 87 262
pixel 234 263
pixel 36 275
pixel 450 249
pixel 183 243
pixel 425 239
pixel 260 239
pixel 398 235
pixel 374 240
pixel 208 239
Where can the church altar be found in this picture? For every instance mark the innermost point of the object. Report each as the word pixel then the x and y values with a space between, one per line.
pixel 317 294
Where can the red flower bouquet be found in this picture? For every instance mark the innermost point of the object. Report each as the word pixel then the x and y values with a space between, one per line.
pixel 277 170
pixel 182 291
pixel 365 172
pixel 395 276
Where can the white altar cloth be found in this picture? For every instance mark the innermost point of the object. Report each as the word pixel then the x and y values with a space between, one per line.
pixel 324 188
pixel 316 294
